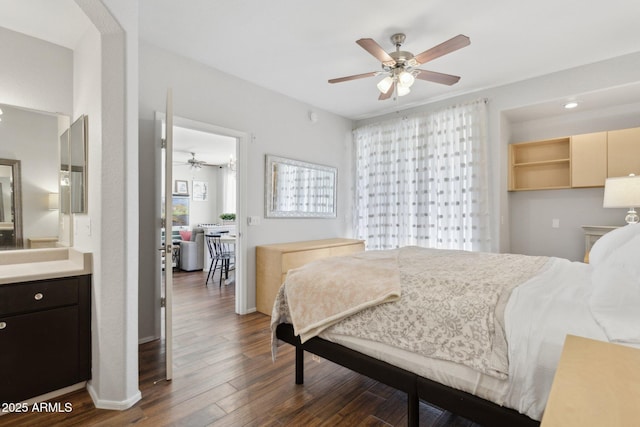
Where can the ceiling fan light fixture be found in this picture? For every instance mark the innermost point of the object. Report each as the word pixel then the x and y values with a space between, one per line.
pixel 406 79
pixel 402 89
pixel 385 84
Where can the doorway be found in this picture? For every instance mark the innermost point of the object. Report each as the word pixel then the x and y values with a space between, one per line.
pixel 204 198
pixel 216 135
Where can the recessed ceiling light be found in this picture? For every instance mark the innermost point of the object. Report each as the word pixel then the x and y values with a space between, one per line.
pixel 570 105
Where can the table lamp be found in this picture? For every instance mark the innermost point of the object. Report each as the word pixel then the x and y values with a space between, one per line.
pixel 623 192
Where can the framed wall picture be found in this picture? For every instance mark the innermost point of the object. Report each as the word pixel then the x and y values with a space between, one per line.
pixel 180 214
pixel 200 191
pixel 181 188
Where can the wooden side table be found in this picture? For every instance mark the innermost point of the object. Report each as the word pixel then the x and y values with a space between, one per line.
pixel 596 384
pixel 592 233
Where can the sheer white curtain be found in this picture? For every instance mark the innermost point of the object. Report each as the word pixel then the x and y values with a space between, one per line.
pixel 422 180
pixel 228 190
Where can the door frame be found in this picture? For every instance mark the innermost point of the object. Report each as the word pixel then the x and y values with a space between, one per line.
pixel 243 139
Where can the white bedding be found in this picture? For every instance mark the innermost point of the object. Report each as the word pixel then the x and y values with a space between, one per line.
pixel 538 316
pixel 564 298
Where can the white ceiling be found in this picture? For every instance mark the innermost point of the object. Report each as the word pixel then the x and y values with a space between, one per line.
pixel 60 22
pixel 207 147
pixel 294 47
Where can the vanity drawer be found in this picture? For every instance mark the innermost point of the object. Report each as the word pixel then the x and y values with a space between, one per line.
pixel 32 296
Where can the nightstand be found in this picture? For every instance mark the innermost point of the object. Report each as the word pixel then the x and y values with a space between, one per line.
pixel 596 384
pixel 592 233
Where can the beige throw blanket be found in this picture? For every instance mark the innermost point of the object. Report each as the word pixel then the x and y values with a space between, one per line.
pixel 326 291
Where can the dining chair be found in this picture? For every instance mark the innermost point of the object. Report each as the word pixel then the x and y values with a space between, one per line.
pixel 220 257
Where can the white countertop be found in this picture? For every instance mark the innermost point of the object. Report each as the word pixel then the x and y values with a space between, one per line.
pixel 38 264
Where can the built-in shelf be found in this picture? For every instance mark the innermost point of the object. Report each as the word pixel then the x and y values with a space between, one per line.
pixel 540 165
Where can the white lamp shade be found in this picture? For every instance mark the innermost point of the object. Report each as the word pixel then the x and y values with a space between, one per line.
pixel 385 84
pixel 406 79
pixel 402 89
pixel 622 192
pixel 52 201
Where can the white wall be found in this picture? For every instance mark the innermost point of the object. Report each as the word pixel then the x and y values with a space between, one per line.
pixel 508 210
pixel 109 95
pixel 87 100
pixel 278 125
pixel 200 212
pixel 35 74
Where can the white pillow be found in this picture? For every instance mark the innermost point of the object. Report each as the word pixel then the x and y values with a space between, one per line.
pixel 615 301
pixel 611 242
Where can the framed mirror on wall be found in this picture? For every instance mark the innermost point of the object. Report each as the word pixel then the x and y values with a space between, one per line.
pixel 299 189
pixel 32 138
pixel 10 205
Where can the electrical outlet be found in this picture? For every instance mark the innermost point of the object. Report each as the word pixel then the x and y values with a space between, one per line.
pixel 555 223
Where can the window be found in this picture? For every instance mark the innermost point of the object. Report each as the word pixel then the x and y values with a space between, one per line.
pixel 421 180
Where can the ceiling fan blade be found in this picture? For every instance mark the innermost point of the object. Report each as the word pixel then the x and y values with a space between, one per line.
pixel 451 45
pixel 371 46
pixel 354 77
pixel 387 94
pixel 432 76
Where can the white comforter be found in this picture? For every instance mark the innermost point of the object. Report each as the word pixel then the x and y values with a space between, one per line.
pixel 538 317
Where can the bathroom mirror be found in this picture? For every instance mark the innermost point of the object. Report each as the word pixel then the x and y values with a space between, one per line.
pixel 10 205
pixel 78 165
pixel 32 138
pixel 298 189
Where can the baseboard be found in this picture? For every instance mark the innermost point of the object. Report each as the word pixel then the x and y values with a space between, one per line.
pixel 115 405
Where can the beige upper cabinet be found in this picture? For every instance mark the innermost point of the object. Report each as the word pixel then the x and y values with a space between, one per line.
pixel 589 160
pixel 624 152
pixel 578 161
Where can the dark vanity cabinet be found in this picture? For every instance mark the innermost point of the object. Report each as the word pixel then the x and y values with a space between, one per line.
pixel 45 336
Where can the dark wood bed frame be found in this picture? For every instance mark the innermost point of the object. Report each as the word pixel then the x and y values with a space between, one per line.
pixel 459 402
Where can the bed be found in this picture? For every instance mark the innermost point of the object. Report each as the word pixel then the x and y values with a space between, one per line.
pixel 494 361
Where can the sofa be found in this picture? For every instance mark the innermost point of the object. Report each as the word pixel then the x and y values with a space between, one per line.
pixel 192 251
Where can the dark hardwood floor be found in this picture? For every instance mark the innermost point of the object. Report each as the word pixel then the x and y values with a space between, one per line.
pixel 224 376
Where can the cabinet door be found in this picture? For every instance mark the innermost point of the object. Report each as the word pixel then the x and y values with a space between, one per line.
pixel 623 152
pixel 43 353
pixel 589 159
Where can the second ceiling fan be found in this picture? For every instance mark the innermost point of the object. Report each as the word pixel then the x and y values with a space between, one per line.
pixel 399 67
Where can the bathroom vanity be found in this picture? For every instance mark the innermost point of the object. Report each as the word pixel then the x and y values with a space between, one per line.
pixel 45 322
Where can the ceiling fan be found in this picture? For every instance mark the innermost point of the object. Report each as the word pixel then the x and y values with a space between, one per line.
pixel 195 164
pixel 399 67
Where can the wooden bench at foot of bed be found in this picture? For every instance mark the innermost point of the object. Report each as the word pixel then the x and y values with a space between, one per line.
pixel 461 403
